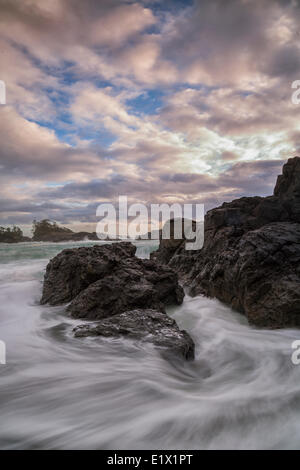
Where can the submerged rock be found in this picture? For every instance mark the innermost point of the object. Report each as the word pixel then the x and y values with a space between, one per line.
pixel 251 254
pixel 144 325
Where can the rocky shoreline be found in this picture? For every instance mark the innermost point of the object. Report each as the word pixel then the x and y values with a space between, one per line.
pixel 251 255
pixel 250 260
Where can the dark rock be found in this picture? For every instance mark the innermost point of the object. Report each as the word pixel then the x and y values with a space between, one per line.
pixel 134 284
pixel 144 325
pixel 72 270
pixel 127 295
pixel 257 274
pixel 80 236
pixel 107 280
pixel 169 243
pixel 173 251
pixel 287 188
pixel 251 253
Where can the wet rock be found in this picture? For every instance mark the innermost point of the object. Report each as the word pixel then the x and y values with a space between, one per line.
pixel 251 253
pixel 172 251
pixel 146 325
pixel 106 280
pixel 169 242
pixel 135 284
pixel 72 270
pixel 257 274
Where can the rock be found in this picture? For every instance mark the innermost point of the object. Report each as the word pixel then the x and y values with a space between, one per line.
pixel 169 244
pixel 80 236
pixel 257 274
pixel 134 284
pixel 287 188
pixel 127 295
pixel 146 325
pixel 72 270
pixel 251 253
pixel 172 251
pixel 107 280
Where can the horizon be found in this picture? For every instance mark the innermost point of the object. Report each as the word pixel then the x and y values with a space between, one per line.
pixel 166 102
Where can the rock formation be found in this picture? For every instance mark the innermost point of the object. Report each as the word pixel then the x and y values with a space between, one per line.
pixel 109 282
pixel 251 254
pixel 144 325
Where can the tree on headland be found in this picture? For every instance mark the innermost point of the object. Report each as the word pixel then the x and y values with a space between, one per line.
pixel 11 235
pixel 44 228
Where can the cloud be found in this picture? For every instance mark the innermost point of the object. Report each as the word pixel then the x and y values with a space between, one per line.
pixel 162 101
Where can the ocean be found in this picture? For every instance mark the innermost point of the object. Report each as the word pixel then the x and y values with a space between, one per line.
pixel 242 391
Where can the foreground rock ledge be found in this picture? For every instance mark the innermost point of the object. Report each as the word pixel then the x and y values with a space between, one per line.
pixel 251 254
pixel 145 325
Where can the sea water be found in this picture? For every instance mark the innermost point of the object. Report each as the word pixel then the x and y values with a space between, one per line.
pixel 242 390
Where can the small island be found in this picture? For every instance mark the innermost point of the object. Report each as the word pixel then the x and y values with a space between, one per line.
pixel 12 235
pixel 46 231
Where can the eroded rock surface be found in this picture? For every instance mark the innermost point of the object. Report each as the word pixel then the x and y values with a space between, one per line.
pixel 251 254
pixel 134 283
pixel 127 295
pixel 72 270
pixel 146 325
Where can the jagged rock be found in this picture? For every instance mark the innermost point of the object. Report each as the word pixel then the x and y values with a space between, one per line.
pixel 287 188
pixel 257 274
pixel 134 284
pixel 72 270
pixel 107 280
pixel 169 243
pixel 145 325
pixel 127 295
pixel 251 253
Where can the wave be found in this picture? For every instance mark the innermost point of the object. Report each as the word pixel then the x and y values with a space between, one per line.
pixel 57 392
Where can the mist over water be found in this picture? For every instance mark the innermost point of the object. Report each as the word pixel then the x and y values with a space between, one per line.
pixel 58 392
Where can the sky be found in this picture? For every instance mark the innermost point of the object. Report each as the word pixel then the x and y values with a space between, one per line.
pixel 162 101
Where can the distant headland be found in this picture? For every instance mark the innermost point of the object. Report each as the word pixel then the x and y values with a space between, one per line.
pixel 46 231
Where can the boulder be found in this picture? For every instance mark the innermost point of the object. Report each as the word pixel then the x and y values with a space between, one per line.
pixel 124 294
pixel 145 325
pixel 105 280
pixel 72 270
pixel 134 284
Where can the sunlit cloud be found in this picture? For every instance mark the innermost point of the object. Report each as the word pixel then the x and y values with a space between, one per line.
pixel 162 101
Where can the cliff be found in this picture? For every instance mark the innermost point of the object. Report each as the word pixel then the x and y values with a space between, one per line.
pixel 251 254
